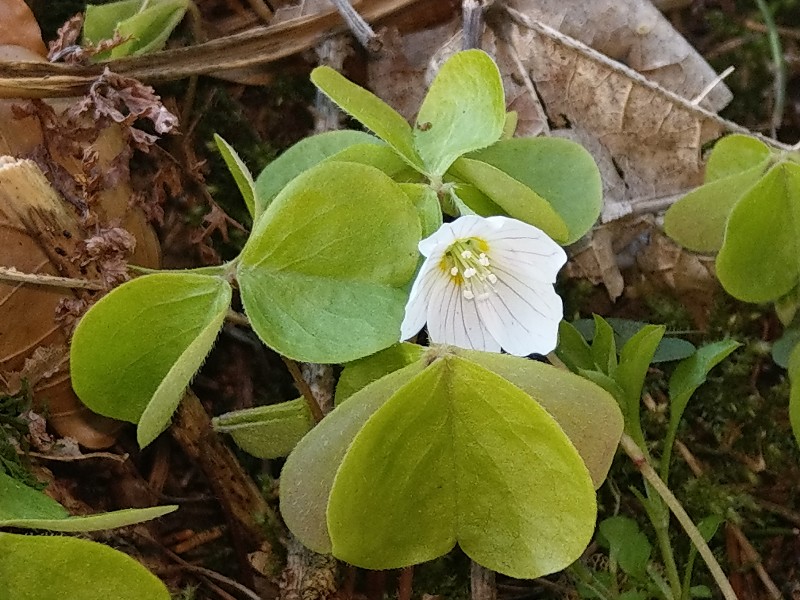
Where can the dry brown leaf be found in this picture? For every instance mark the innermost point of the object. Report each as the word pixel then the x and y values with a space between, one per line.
pixel 259 45
pixel 598 264
pixel 669 268
pixel 628 98
pixel 18 27
pixel 88 160
pixel 38 233
pixel 124 100
pixel 636 34
pixel 600 256
pixel 67 38
pixel 646 141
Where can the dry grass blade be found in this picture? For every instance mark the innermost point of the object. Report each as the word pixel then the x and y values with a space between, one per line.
pixel 256 46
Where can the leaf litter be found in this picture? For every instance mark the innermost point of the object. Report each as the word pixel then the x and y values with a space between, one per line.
pixel 625 141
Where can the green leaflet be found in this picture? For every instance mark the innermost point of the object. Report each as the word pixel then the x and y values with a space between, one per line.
pixel 588 415
pixel 734 154
pixel 459 454
pixel 464 110
pixel 760 258
pixel 241 174
pixel 380 156
pixel 148 24
pixel 26 508
pixel 627 545
pixel 697 221
pixel 360 373
pixel 305 154
pixel 136 350
pixel 794 395
pixel 476 201
pixel 783 347
pixel 267 431
pixel 516 199
pixel 53 567
pixel 323 275
pixel 585 412
pixel 427 204
pixel 370 110
pixel 308 474
pixel 560 171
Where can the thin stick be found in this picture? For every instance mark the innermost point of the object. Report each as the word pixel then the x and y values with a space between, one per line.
pixel 11 274
pixel 202 570
pixel 526 78
pixel 472 23
pixel 358 26
pixel 744 544
pixel 754 558
pixel 404 583
pixel 640 462
pixel 258 45
pixel 708 89
pixel 261 9
pixel 593 55
pixel 302 385
pixel 313 405
pixel 482 582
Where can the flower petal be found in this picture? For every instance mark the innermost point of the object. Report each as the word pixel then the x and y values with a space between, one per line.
pixel 517 246
pixel 438 240
pixel 454 320
pixel 522 315
pixel 527 266
pixel 469 226
pixel 417 305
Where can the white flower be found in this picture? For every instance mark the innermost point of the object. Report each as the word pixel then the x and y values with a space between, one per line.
pixel 486 284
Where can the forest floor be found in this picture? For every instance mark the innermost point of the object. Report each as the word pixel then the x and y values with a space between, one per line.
pixel 737 457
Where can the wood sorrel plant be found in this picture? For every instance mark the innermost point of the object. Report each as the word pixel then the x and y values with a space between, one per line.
pixel 426 447
pixel 748 214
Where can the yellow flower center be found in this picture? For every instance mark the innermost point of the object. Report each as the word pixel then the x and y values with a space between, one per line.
pixel 467 264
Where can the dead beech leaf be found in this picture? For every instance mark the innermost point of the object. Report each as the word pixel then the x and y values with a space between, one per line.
pixel 124 100
pixel 67 37
pixel 639 133
pixel 18 27
pixel 598 263
pixel 684 275
pixel 38 232
pixel 87 159
pixel 636 34
pixel 600 256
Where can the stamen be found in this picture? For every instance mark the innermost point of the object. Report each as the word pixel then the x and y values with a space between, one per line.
pixel 472 268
